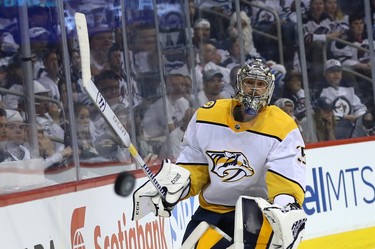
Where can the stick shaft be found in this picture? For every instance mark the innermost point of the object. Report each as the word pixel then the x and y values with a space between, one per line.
pixel 101 103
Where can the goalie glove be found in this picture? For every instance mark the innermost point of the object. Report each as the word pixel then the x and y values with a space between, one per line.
pixel 174 179
pixel 287 222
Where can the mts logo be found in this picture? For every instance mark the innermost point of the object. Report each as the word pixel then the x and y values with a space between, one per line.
pixel 76 226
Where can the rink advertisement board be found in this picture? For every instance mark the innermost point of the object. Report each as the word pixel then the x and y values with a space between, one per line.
pixel 340 196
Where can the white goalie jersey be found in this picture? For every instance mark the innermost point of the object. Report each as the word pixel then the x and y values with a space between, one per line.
pixel 261 158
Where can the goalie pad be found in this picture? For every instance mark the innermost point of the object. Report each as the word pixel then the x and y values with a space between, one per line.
pixel 259 223
pixel 206 236
pixel 174 179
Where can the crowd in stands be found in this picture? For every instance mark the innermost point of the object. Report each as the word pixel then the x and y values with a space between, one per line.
pixel 157 94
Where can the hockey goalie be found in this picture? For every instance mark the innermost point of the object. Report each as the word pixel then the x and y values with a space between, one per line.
pixel 245 159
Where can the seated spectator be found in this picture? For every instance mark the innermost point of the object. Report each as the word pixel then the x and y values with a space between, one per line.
pixel 293 90
pixel 209 59
pixel 348 107
pixel 154 120
pixel 76 73
pixel 229 90
pixel 354 58
pixel 51 156
pixel 368 124
pixel 16 133
pixel 51 129
pixel 287 106
pixel 101 40
pixel 324 122
pixel 212 86
pixel 265 21
pixel 39 41
pixel 108 83
pixel 234 54
pixel 145 56
pixel 116 64
pixel 351 56
pixel 318 28
pixel 202 34
pixel 247 32
pixel 51 78
pixel 175 137
pixel 85 140
pixel 333 10
pixel 8 46
pixel 221 22
pixel 4 155
pixel 14 82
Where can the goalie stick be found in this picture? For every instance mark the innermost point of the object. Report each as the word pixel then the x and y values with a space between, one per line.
pixel 101 103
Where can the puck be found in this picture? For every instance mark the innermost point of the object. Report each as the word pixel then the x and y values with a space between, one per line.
pixel 124 184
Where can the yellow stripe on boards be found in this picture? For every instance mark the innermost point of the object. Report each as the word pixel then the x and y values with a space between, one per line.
pixel 357 239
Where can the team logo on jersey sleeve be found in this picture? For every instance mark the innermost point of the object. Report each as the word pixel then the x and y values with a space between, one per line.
pixel 209 104
pixel 230 166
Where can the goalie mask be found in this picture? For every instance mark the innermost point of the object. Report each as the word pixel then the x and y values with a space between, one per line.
pixel 255 84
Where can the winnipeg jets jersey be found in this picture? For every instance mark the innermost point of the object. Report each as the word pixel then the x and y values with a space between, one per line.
pixel 264 157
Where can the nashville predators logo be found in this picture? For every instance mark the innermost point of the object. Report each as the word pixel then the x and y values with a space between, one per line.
pixel 230 166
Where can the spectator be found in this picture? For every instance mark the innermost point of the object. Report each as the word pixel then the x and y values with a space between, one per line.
pixel 212 85
pixel 51 79
pixel 221 22
pixel 293 90
pixel 108 84
pixel 176 105
pixel 76 71
pixel 188 90
pixel 333 10
pixel 210 59
pixel 351 56
pixel 116 64
pixel 16 133
pixel 14 82
pixel 85 139
pixel 51 129
pixel 354 58
pixel 101 40
pixel 51 156
pixel 4 155
pixel 144 48
pixel 234 54
pixel 348 107
pixel 8 46
pixel 247 32
pixel 324 122
pixel 368 124
pixel 202 33
pixel 175 137
pixel 39 41
pixel 317 28
pixel 229 90
pixel 286 105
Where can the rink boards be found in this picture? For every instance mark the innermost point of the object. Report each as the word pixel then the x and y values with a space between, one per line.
pixel 340 196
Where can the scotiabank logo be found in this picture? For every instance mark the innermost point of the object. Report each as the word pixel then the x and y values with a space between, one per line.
pixel 76 226
pixel 120 234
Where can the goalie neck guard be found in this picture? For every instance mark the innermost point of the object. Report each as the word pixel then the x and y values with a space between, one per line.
pixel 255 85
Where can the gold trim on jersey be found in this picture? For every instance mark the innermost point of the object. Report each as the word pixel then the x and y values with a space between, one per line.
pixel 221 113
pixel 278 184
